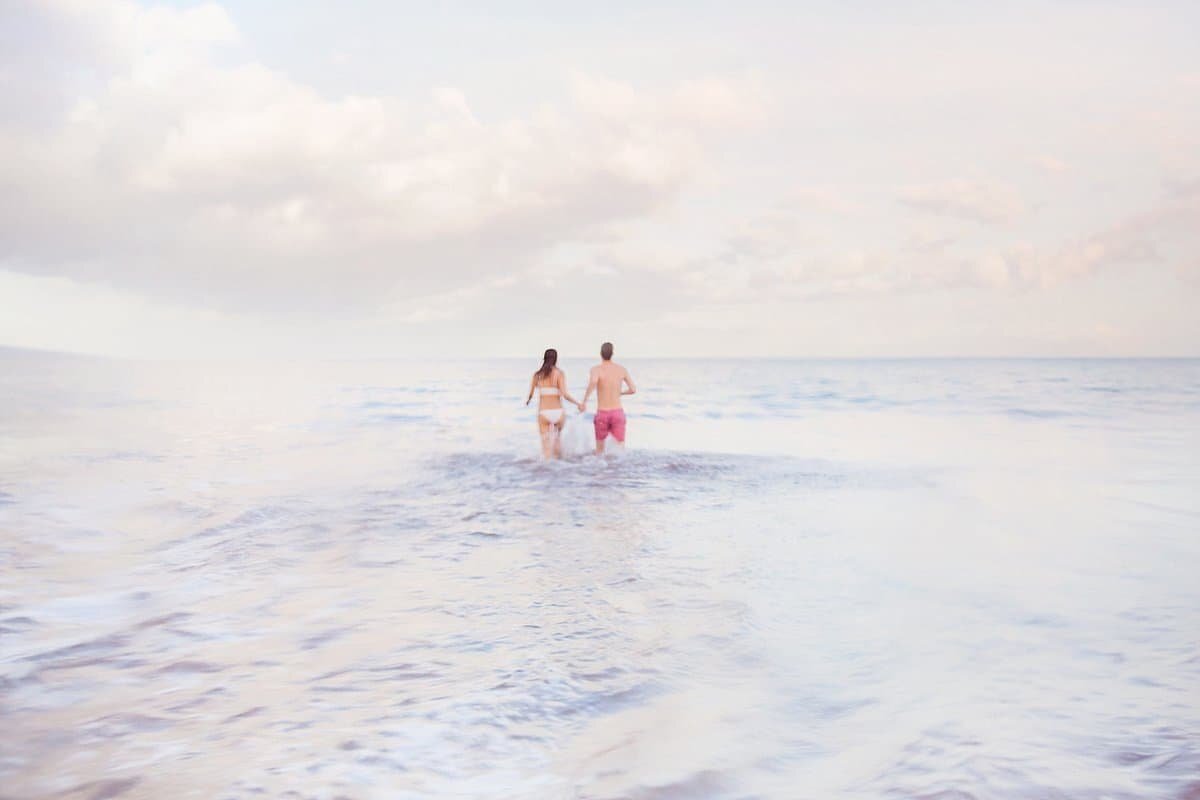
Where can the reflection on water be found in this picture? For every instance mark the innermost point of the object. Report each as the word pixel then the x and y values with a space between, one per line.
pixel 833 580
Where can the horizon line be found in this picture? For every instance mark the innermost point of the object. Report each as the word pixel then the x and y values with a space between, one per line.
pixel 35 351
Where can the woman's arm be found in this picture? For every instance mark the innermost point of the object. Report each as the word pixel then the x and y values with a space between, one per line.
pixel 532 383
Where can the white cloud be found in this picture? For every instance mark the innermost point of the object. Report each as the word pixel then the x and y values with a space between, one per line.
pixel 781 254
pixel 1145 238
pixel 175 174
pixel 455 101
pixel 1051 165
pixel 965 199
pixel 487 186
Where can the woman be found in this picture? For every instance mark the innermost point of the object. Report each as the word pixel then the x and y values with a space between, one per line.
pixel 551 385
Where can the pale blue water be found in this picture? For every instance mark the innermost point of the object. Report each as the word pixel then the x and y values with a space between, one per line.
pixel 890 579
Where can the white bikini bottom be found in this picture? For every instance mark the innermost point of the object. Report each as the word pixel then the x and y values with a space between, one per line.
pixel 552 415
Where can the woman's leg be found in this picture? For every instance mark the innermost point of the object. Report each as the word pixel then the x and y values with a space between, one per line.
pixel 545 434
pixel 558 429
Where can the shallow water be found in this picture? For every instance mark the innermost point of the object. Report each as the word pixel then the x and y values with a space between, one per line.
pixel 930 579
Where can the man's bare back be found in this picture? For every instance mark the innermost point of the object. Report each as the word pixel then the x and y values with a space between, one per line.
pixel 608 379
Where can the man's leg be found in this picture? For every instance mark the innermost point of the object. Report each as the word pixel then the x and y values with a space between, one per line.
pixel 600 423
pixel 617 426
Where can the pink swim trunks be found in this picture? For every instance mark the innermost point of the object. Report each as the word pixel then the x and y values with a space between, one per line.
pixel 610 421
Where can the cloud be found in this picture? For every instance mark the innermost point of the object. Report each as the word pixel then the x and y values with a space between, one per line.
pixel 782 255
pixel 1121 246
pixel 778 256
pixel 987 203
pixel 1051 165
pixel 708 103
pixel 1167 232
pixel 172 173
pixel 490 186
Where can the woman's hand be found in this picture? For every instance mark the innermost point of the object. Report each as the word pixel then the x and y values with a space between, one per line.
pixel 582 407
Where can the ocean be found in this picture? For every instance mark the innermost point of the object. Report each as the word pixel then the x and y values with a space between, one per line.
pixel 936 579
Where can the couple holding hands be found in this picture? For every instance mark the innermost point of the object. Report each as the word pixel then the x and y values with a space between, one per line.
pixel 607 379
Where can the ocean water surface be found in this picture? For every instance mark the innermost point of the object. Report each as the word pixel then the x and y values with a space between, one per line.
pixel 804 579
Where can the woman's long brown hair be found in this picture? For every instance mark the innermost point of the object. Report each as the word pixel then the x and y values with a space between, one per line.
pixel 549 359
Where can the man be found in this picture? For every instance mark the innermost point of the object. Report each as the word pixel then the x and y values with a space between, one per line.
pixel 606 380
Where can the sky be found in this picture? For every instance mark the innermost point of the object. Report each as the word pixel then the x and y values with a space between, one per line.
pixel 761 179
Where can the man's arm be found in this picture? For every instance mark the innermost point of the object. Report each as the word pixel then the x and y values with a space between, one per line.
pixel 629 382
pixel 591 387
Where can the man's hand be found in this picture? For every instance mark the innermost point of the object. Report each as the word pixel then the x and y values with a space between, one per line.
pixel 582 407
